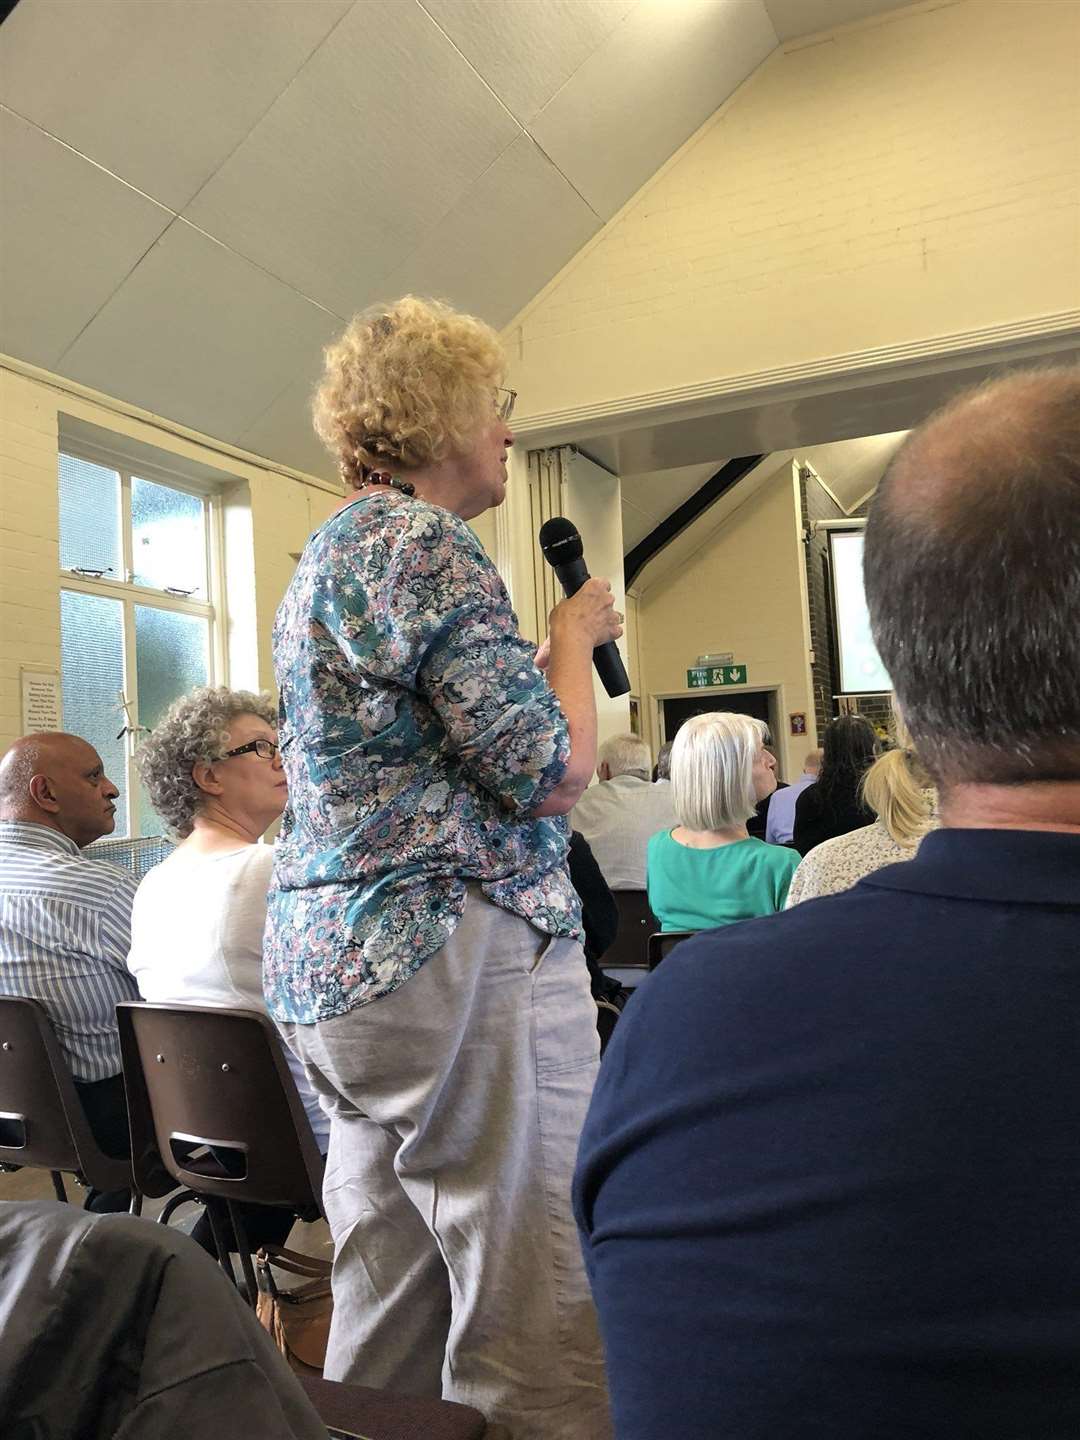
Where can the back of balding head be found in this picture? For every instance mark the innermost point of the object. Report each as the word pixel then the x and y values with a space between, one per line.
pixel 972 570
pixel 29 756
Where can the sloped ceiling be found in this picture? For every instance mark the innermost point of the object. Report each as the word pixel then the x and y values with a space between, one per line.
pixel 195 196
pixel 850 469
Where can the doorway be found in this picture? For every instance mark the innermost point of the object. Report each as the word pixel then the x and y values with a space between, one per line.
pixel 681 708
pixel 675 710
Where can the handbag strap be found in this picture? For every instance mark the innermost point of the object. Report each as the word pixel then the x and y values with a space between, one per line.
pixel 292 1262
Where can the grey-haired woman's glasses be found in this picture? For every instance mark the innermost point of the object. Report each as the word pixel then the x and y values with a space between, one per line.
pixel 265 749
pixel 504 402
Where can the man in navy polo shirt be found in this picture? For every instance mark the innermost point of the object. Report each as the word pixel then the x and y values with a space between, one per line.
pixel 829 1187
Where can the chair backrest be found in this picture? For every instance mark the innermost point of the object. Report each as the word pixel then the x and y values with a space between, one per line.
pixel 636 921
pixel 42 1121
pixel 662 942
pixel 202 1076
pixel 138 855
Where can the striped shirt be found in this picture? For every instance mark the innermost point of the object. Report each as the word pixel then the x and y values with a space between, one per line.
pixel 65 930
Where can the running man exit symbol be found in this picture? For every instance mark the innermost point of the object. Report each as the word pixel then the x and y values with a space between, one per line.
pixel 704 676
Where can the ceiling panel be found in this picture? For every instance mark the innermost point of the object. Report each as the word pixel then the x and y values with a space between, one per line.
pixel 635 526
pixel 642 94
pixel 69 233
pixel 158 93
pixel 518 225
pixel 284 432
pixel 659 492
pixel 852 468
pixel 200 335
pixel 526 51
pixel 792 18
pixel 380 136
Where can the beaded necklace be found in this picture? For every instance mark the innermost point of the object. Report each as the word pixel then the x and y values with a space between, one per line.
pixel 383 477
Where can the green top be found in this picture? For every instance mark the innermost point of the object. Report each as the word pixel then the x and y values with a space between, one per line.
pixel 699 889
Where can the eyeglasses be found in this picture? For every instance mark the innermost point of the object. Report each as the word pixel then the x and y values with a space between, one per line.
pixel 504 402
pixel 265 749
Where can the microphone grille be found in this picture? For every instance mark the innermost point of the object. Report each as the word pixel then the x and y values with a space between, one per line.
pixel 559 540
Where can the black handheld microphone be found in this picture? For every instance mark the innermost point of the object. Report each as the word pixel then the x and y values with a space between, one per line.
pixel 562 549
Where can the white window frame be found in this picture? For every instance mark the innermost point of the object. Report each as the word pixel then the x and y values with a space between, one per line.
pixel 212 609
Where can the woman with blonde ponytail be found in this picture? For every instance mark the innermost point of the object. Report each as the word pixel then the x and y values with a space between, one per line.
pixel 899 792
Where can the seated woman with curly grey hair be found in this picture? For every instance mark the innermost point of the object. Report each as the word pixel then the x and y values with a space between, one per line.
pixel 213 773
pixel 709 871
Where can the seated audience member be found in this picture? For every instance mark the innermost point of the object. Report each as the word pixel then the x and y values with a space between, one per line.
pixel 65 919
pixel 618 815
pixel 840 1179
pixel 833 805
pixel 662 769
pixel 899 792
pixel 758 822
pixel 707 870
pixel 780 821
pixel 599 925
pixel 212 772
pixel 114 1327
pixel 599 913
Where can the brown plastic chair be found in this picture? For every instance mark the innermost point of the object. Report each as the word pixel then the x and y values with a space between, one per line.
pixel 662 942
pixel 636 922
pixel 376 1415
pixel 213 1107
pixel 44 1126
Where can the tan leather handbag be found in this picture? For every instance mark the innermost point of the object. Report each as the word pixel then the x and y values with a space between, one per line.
pixel 297 1316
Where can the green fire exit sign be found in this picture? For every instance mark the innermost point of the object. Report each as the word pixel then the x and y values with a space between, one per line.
pixel 706 675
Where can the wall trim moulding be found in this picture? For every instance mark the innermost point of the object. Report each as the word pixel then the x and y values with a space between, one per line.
pixel 1012 340
pixel 74 391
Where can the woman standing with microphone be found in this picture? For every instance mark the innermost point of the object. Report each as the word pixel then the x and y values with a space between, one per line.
pixel 422 951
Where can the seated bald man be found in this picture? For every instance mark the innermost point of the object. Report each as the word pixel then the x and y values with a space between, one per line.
pixel 829 1185
pixel 65 919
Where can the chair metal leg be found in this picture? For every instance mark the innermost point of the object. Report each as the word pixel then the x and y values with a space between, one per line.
pixel 169 1209
pixel 58 1185
pixel 244 1251
pixel 220 1243
pixel 135 1208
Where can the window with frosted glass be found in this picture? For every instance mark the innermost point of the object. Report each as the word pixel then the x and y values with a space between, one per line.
pixel 168 539
pixel 90 518
pixel 171 658
pixel 92 676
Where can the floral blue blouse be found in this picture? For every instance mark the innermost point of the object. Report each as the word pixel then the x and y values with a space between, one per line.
pixel 417 736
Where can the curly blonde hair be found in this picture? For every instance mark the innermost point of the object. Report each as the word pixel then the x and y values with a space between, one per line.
pixel 407 384
pixel 194 728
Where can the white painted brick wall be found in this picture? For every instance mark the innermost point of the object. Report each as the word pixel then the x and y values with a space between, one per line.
pixel 913 177
pixel 29 556
pixel 741 592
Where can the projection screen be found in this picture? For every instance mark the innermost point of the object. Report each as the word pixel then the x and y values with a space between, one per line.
pixel 861 670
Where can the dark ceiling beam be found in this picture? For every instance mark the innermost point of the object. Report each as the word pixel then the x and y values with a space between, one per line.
pixel 719 484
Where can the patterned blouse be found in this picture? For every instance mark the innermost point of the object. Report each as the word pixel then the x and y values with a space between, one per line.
pixel 840 863
pixel 417 736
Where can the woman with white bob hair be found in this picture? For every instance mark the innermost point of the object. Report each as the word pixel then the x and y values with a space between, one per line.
pixel 708 870
pixel 212 771
pixel 901 794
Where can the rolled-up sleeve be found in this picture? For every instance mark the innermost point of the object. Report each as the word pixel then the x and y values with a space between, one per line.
pixel 500 715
